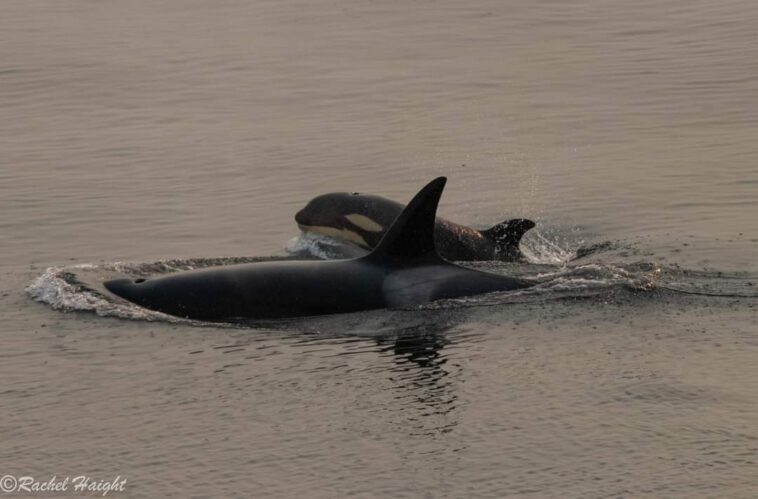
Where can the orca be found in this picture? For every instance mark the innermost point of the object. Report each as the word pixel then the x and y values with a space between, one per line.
pixel 363 219
pixel 403 270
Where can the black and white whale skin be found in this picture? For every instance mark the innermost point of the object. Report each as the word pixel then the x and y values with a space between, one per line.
pixel 363 219
pixel 403 270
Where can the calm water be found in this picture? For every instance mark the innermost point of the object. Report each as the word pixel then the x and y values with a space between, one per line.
pixel 168 134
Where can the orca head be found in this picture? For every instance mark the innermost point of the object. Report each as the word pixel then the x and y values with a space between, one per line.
pixel 358 218
pixel 129 289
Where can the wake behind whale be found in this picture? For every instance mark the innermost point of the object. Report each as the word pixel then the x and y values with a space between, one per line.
pixel 80 287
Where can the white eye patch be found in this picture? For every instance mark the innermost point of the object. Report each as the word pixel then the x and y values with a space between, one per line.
pixel 364 222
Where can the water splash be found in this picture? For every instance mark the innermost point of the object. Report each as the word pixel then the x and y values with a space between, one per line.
pixel 62 289
pixel 540 249
pixel 309 245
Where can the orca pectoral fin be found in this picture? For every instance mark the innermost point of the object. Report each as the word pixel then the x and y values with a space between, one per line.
pixel 508 234
pixel 411 235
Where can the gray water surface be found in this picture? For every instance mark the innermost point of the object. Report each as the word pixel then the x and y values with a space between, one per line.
pixel 144 137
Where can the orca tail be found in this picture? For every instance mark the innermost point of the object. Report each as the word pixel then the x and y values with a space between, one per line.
pixel 508 234
pixel 411 236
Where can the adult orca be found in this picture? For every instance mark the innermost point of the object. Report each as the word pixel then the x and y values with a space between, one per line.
pixel 403 270
pixel 363 219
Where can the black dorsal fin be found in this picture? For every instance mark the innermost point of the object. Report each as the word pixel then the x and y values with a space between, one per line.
pixel 411 235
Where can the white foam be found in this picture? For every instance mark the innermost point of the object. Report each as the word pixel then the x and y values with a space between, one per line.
pixel 322 247
pixel 53 289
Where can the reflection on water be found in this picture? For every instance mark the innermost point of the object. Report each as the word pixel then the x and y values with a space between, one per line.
pixel 425 385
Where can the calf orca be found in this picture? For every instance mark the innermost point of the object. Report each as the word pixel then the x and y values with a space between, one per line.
pixel 363 219
pixel 403 270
